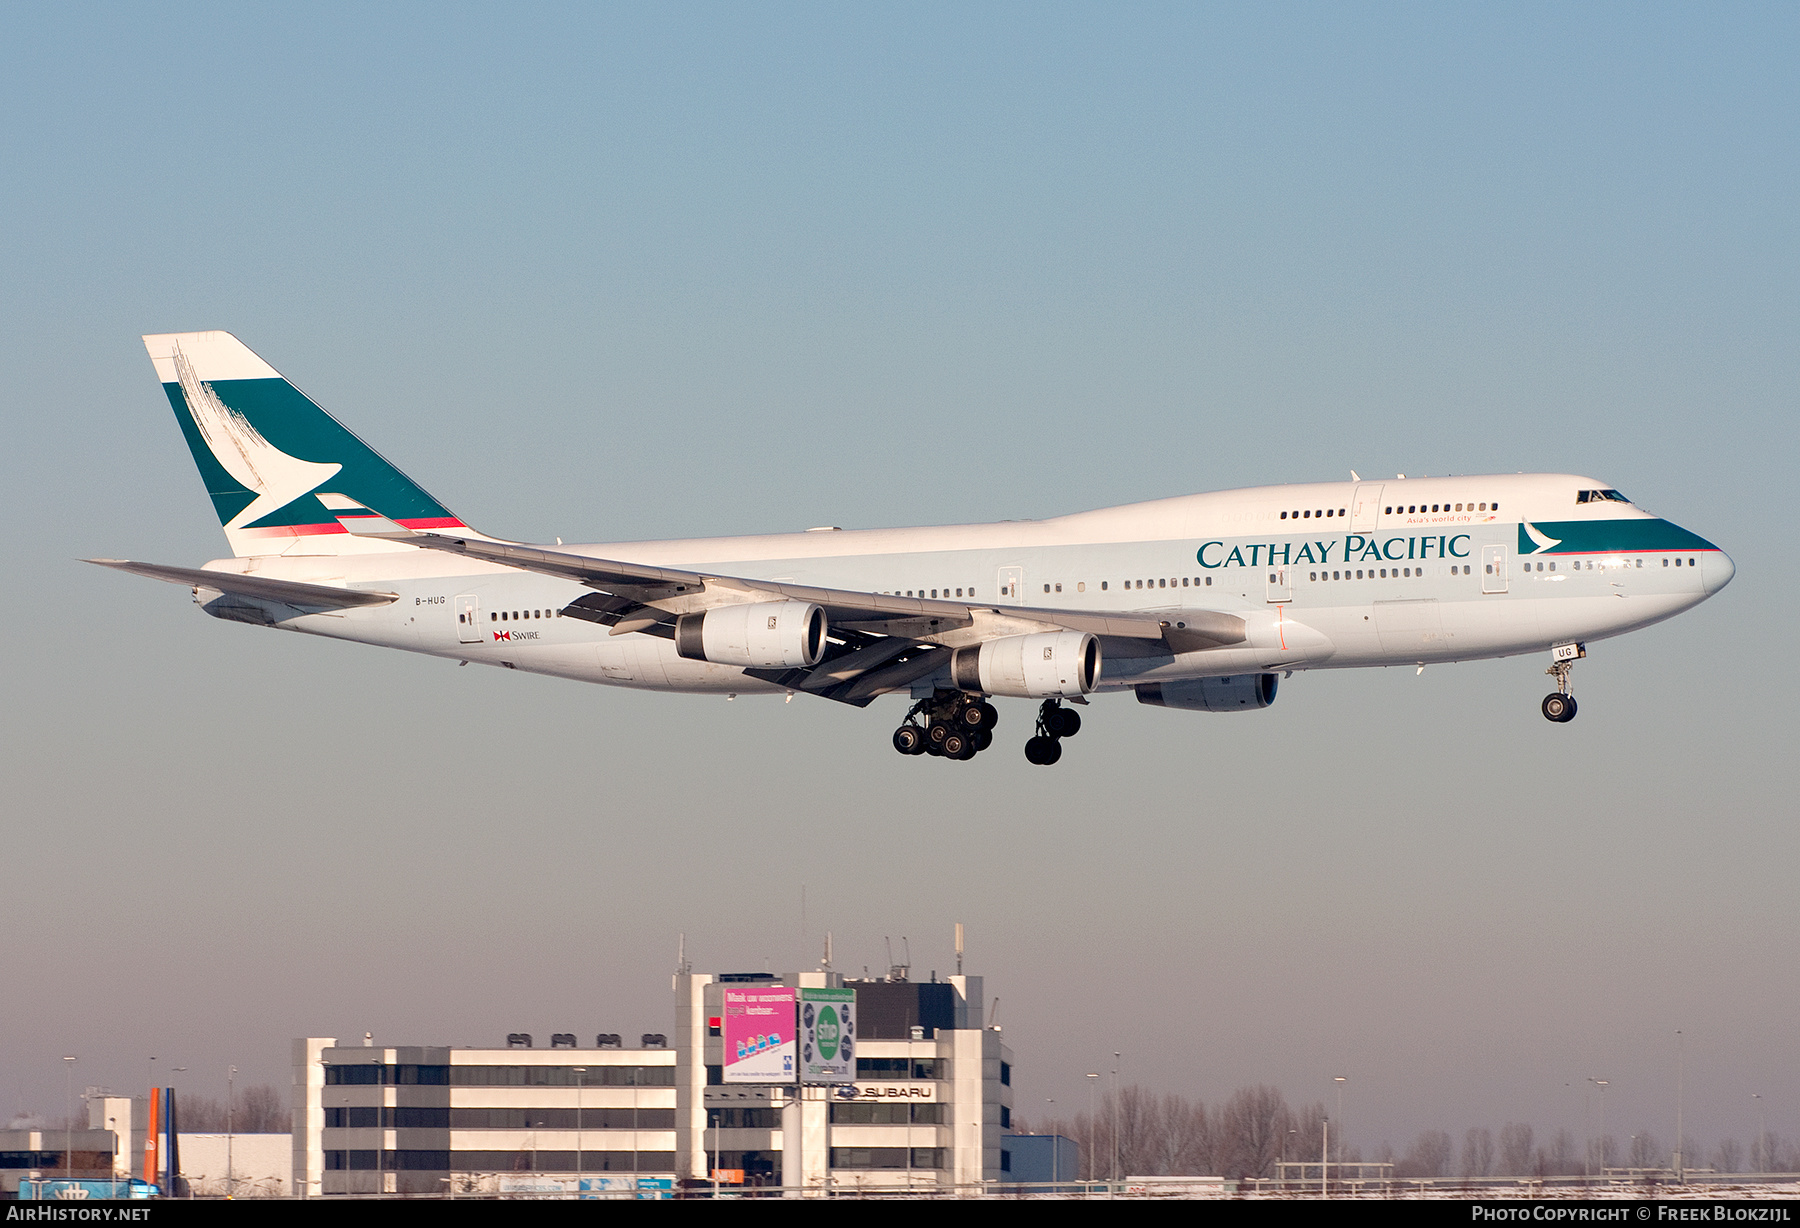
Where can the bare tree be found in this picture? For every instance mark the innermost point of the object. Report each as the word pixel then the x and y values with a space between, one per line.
pixel 1646 1152
pixel 263 1110
pixel 1429 1155
pixel 1478 1152
pixel 1252 1124
pixel 1516 1158
pixel 1564 1159
pixel 1138 1117
pixel 1771 1154
pixel 1729 1158
pixel 200 1115
pixel 1190 1146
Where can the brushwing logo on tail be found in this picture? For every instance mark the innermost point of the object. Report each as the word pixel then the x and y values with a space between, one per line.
pixel 257 465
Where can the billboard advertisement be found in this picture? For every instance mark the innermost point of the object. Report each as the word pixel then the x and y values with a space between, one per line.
pixel 827 1036
pixel 758 1029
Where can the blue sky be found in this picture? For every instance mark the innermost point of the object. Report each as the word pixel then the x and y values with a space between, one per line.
pixel 616 273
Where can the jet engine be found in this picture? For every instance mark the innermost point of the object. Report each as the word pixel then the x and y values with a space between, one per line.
pixel 766 635
pixel 1238 693
pixel 1042 666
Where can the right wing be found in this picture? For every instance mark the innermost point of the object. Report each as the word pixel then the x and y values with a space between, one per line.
pixel 882 641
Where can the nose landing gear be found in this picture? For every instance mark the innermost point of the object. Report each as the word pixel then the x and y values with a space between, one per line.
pixel 1559 705
pixel 1054 723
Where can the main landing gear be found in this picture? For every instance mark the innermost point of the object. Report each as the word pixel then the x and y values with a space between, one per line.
pixel 1559 705
pixel 956 725
pixel 1054 723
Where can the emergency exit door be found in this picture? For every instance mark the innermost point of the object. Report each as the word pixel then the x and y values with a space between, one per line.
pixel 1493 569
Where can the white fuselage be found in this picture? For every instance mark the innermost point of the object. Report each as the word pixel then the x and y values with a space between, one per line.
pixel 1347 578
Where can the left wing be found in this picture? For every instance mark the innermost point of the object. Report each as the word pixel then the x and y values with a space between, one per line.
pixel 262 588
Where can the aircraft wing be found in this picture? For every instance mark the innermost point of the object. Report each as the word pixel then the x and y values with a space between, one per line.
pixel 263 588
pixel 883 642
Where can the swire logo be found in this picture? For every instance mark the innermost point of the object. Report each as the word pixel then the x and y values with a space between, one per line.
pixel 503 635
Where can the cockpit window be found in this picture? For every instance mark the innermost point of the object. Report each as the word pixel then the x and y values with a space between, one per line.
pixel 1601 496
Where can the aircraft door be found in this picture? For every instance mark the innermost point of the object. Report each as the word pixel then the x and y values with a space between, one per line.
pixel 1493 569
pixel 1365 507
pixel 468 619
pixel 1012 582
pixel 1279 588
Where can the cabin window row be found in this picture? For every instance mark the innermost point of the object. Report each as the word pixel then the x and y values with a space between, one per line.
pixel 1413 509
pixel 1397 509
pixel 1374 573
pixel 1165 582
pixel 504 616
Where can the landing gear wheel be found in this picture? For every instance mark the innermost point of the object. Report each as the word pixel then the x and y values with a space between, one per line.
pixel 1043 751
pixel 1064 723
pixel 909 740
pixel 955 745
pixel 977 716
pixel 935 734
pixel 981 739
pixel 1560 707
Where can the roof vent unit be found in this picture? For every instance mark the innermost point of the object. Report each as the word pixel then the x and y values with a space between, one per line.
pixel 518 1040
pixel 655 1040
pixel 562 1040
pixel 608 1040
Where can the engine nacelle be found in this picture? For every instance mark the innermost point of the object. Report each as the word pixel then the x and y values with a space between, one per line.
pixel 1238 693
pixel 765 635
pixel 1051 663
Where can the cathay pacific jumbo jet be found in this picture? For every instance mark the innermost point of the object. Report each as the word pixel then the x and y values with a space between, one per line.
pixel 1200 603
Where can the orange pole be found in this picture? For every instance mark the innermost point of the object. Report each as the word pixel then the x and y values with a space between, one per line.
pixel 150 1129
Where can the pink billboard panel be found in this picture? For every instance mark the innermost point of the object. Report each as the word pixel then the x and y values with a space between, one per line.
pixel 759 1034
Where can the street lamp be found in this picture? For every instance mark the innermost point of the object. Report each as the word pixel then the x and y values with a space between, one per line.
pixel 1680 1072
pixel 1093 1123
pixel 580 1073
pixel 1762 1137
pixel 69 1121
pixel 1601 1084
pixel 1340 1080
pixel 1115 1117
pixel 230 1129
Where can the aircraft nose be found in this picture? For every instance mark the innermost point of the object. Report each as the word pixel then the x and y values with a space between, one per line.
pixel 1718 572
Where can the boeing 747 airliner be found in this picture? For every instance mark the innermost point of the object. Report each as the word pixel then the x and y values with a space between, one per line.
pixel 1200 602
